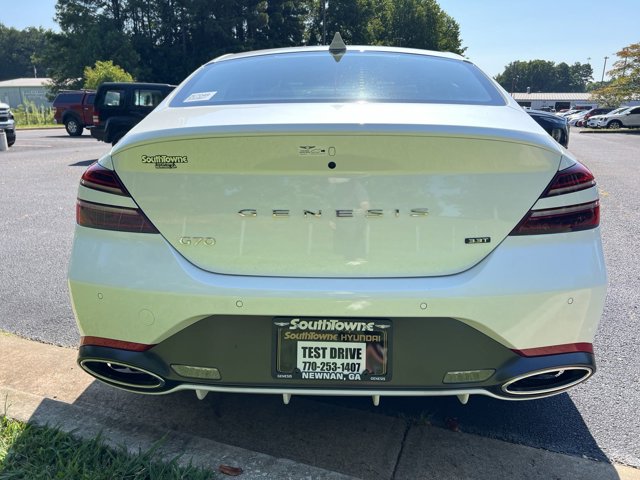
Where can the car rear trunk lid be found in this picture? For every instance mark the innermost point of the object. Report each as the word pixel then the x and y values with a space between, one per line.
pixel 338 203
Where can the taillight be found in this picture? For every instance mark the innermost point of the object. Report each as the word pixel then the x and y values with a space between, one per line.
pixel 560 220
pixel 572 179
pixel 100 178
pixel 109 217
pixel 569 218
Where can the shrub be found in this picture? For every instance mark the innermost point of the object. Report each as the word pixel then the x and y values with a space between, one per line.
pixel 29 114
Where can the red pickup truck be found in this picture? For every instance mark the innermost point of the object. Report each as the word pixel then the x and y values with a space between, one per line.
pixel 74 109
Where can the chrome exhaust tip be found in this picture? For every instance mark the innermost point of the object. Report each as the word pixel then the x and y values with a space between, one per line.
pixel 121 374
pixel 546 382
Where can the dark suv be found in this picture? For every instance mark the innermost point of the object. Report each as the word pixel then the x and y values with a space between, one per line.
pixel 120 106
pixel 555 126
pixel 74 109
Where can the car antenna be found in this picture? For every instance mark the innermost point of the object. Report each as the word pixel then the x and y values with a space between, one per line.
pixel 337 47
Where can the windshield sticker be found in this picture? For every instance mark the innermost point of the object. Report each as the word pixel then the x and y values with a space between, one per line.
pixel 311 150
pixel 199 97
pixel 165 161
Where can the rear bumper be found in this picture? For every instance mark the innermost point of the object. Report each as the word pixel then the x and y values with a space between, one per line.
pixel 152 372
pixel 531 292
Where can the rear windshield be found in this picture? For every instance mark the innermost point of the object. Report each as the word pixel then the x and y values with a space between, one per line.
pixel 357 77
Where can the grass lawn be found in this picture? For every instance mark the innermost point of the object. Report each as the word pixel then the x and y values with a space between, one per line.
pixel 36 453
pixel 30 127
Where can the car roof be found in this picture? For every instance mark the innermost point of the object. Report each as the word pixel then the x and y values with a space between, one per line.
pixel 325 48
pixel 135 84
pixel 542 113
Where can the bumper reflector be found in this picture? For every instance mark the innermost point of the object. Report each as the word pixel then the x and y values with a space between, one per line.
pixel 555 349
pixel 468 376
pixel 111 343
pixel 205 373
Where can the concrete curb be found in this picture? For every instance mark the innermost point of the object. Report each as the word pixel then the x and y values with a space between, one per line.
pixel 605 131
pixel 198 451
pixel 50 127
pixel 46 388
pixel 44 409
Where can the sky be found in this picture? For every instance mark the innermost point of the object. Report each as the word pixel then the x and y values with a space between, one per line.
pixel 495 32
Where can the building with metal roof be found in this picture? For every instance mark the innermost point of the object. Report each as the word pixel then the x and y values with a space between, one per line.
pixel 554 100
pixel 21 91
pixel 558 100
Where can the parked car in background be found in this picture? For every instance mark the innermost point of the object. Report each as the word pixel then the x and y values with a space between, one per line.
pixel 567 113
pixel 595 120
pixel 593 112
pixel 337 220
pixel 7 123
pixel 575 109
pixel 627 118
pixel 74 109
pixel 120 106
pixel 576 118
pixel 555 125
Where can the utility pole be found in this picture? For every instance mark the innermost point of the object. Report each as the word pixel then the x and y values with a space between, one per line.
pixel 603 69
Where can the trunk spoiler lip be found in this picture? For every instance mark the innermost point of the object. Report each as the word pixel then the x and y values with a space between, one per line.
pixel 138 139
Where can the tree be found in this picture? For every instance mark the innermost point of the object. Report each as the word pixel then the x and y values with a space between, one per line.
pixel 90 31
pixel 404 23
pixel 165 40
pixel 581 74
pixel 23 52
pixel 104 72
pixel 545 76
pixel 625 78
pixel 354 19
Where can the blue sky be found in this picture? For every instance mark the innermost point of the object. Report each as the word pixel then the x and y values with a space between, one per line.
pixel 495 32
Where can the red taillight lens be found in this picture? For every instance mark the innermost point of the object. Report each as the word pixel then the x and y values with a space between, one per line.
pixel 109 217
pixel 572 179
pixel 99 178
pixel 569 218
pixel 560 220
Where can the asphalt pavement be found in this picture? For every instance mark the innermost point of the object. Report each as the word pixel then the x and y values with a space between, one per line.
pixel 597 420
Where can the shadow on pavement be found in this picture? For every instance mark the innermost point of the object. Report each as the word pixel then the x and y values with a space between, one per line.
pixel 402 438
pixel 552 423
pixel 83 163
pixel 84 136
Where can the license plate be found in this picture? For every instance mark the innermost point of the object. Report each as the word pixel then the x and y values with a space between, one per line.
pixel 332 349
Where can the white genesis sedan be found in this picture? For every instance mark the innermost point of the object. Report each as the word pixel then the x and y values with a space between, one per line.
pixel 338 221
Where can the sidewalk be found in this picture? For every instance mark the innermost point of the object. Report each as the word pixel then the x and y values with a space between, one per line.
pixel 42 384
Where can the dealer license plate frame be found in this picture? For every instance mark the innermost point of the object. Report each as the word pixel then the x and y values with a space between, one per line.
pixel 319 330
